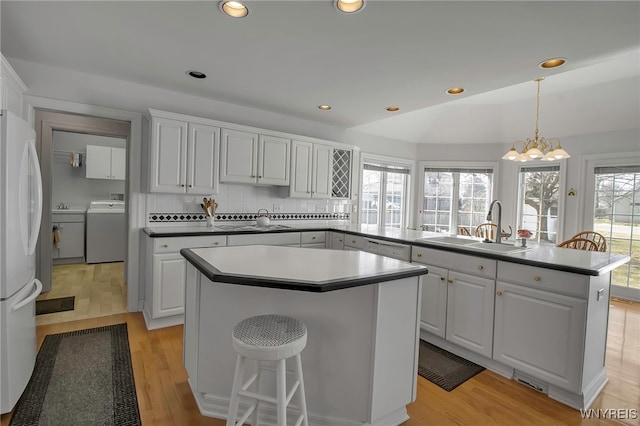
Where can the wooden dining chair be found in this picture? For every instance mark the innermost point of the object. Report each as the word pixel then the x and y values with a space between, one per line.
pixel 486 230
pixel 599 239
pixel 463 231
pixel 579 244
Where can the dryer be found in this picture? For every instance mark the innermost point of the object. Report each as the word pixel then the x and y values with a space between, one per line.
pixel 106 232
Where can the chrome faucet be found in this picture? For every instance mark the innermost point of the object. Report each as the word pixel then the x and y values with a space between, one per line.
pixel 499 234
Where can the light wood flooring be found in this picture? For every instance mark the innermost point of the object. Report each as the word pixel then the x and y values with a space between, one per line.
pixel 99 290
pixel 165 398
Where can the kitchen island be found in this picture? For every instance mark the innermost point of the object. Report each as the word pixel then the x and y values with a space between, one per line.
pixel 362 312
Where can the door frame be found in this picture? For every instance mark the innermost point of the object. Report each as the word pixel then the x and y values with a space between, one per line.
pixel 69 116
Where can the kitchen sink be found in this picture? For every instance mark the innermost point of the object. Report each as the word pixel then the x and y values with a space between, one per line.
pixel 449 241
pixel 501 248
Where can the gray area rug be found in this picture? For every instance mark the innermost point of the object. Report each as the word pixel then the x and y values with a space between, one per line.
pixel 81 378
pixel 444 368
pixel 59 304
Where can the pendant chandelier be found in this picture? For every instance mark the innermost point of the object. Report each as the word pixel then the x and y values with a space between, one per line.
pixel 537 148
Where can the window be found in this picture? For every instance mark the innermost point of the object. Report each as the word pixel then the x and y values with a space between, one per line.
pixel 539 188
pixel 617 216
pixel 384 195
pixel 468 189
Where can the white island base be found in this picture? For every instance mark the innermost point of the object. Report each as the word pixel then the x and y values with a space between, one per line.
pixel 360 363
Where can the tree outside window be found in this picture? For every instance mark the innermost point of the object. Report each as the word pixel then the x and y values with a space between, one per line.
pixel 538 195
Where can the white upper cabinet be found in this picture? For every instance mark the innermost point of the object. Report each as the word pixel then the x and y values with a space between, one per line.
pixel 273 160
pixel 184 157
pixel 248 157
pixel 203 147
pixel 105 162
pixel 310 170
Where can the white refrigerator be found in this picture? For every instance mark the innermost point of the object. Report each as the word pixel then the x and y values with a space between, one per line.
pixel 20 216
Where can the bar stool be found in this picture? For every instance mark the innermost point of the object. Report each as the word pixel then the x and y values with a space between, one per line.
pixel 268 338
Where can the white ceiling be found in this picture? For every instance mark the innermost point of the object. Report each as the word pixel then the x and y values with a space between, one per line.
pixel 291 56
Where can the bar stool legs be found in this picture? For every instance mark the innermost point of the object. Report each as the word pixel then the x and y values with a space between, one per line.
pixel 268 338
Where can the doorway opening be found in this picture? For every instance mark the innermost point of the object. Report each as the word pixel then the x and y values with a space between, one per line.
pixel 83 245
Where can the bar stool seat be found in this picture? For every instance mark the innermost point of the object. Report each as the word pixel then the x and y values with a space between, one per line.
pixel 262 339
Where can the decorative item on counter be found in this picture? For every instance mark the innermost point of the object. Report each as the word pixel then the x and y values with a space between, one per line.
pixel 209 206
pixel 523 234
pixel 262 217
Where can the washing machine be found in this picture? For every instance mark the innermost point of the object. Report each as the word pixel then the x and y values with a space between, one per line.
pixel 106 232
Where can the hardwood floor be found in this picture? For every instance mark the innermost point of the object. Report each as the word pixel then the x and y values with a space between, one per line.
pixel 99 290
pixel 164 396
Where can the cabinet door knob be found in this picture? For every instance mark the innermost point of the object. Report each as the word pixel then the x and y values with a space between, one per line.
pixel 340 240
pixel 442 278
pixel 313 238
pixel 419 255
pixel 450 281
pixel 480 267
pixel 182 185
pixel 216 243
pixel 259 177
pixel 536 278
pixel 165 245
pixel 190 186
pixel 499 293
pixel 353 241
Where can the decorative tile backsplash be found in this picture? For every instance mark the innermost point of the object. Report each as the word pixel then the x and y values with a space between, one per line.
pixel 182 218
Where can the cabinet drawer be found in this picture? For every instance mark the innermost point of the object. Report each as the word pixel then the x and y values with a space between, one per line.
pixel 174 244
pixel 67 217
pixel 544 279
pixel 312 237
pixel 354 241
pixel 473 265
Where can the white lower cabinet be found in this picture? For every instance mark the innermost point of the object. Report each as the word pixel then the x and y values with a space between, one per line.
pixel 540 333
pixel 70 246
pixel 165 272
pixel 335 240
pixel 313 239
pixel 458 304
pixel 168 281
pixel 433 312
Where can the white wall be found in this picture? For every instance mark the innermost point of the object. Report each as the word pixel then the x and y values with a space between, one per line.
pixel 58 83
pixel 69 184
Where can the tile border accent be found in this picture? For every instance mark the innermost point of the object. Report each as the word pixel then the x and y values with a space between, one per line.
pixel 235 217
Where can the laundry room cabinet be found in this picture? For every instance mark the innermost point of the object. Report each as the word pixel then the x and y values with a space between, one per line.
pixel 184 156
pixel 70 235
pixel 104 162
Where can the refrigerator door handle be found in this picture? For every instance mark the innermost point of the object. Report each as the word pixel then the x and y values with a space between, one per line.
pixel 30 298
pixel 33 240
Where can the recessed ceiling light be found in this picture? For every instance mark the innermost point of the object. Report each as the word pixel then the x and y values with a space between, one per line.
pixel 349 6
pixel 196 74
pixel 455 90
pixel 552 63
pixel 324 107
pixel 235 9
pixel 392 108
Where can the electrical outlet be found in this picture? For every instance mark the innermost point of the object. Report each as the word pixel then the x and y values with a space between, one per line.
pixel 321 209
pixel 277 208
